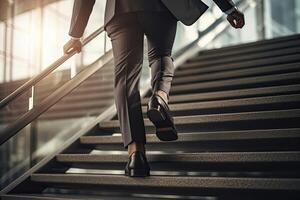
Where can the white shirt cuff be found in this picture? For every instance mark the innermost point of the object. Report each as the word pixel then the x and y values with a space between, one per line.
pixel 75 38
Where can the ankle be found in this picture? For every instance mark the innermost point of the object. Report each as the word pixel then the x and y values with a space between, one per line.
pixel 163 95
pixel 133 147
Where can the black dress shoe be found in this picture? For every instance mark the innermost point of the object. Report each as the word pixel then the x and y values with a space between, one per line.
pixel 137 165
pixel 159 114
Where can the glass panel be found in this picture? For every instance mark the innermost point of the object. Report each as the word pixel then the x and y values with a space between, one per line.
pixel 2 33
pixel 1 68
pixel 71 114
pixel 282 17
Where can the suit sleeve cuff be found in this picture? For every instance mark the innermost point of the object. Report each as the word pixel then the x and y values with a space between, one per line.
pixel 229 11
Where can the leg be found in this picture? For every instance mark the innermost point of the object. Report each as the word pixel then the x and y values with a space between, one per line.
pixel 160 29
pixel 127 44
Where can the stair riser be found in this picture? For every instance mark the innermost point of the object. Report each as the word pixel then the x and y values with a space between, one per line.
pixel 242 58
pixel 260 71
pixel 276 41
pixel 234 109
pixel 228 126
pixel 213 146
pixel 243 51
pixel 235 84
pixel 233 94
pixel 201 69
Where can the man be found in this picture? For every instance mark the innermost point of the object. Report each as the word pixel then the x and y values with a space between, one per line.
pixel 126 22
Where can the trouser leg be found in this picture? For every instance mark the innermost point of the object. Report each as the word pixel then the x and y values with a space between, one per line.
pixel 127 45
pixel 160 30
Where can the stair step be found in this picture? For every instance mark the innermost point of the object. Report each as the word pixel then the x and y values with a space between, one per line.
pixel 195 184
pixel 243 140
pixel 211 157
pixel 255 44
pixel 232 94
pixel 242 51
pixel 235 105
pixel 242 58
pixel 200 69
pixel 238 83
pixel 239 73
pixel 271 134
pixel 270 119
pixel 35 197
pixel 75 197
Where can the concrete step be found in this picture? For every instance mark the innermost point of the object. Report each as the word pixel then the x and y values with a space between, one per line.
pixel 62 196
pixel 190 158
pixel 238 83
pixel 242 51
pixel 235 105
pixel 254 44
pixel 194 184
pixel 242 58
pixel 228 121
pixel 232 94
pixel 201 69
pixel 239 73
pixel 245 140
pixel 221 136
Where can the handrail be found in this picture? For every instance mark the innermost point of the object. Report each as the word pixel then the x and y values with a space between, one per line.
pixel 34 80
pixel 53 98
pixel 69 86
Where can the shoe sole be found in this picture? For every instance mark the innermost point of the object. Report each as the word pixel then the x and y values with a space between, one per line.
pixel 137 173
pixel 158 119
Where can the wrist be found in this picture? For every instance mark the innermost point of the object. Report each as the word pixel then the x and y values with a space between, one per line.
pixel 75 38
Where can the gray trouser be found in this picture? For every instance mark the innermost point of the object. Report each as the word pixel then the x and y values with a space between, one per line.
pixel 126 32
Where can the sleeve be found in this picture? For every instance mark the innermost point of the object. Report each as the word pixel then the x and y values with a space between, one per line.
pixel 81 12
pixel 225 5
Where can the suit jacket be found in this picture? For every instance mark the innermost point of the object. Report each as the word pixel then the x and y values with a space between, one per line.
pixel 186 11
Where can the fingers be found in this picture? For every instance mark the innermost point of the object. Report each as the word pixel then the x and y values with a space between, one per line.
pixel 240 22
pixel 231 21
pixel 236 19
pixel 72 45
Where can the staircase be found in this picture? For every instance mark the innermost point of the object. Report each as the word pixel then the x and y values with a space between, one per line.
pixel 92 97
pixel 237 110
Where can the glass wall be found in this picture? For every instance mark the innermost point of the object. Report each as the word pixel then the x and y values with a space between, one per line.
pixel 265 19
pixel 34 39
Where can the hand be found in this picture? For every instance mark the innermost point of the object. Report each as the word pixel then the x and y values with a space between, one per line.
pixel 236 19
pixel 72 45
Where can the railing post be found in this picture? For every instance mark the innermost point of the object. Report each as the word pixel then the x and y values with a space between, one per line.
pixel 104 42
pixel 260 19
pixel 32 127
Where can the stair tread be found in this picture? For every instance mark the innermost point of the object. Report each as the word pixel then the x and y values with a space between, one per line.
pixel 252 44
pixel 231 93
pixel 221 84
pixel 173 181
pixel 253 56
pixel 68 197
pixel 236 73
pixel 204 136
pixel 218 118
pixel 197 68
pixel 216 157
pixel 233 102
pixel 250 50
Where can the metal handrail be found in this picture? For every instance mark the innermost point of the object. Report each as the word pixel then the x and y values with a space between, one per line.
pixel 34 80
pixel 57 95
